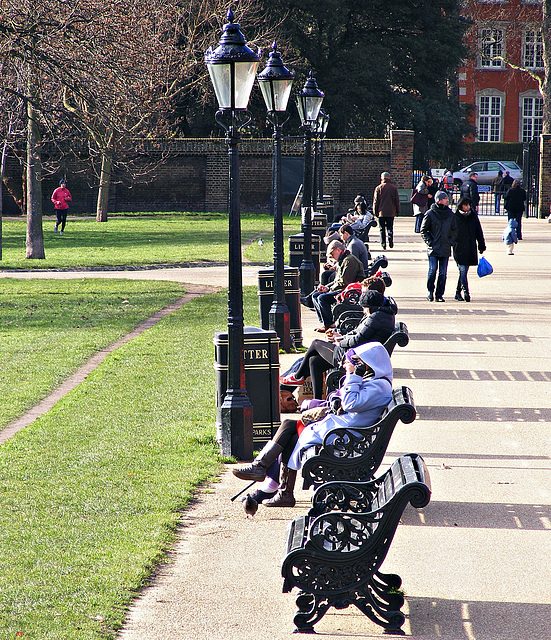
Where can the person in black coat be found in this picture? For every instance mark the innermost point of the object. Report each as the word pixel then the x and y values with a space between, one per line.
pixel 377 325
pixel 469 189
pixel 438 232
pixel 468 235
pixel 514 204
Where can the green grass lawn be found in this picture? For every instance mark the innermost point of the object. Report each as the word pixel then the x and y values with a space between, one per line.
pixel 140 240
pixel 92 491
pixel 48 328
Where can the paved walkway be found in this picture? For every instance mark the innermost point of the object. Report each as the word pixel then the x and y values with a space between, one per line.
pixel 475 562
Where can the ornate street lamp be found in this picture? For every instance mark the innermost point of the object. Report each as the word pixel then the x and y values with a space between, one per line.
pixel 309 104
pixel 275 83
pixel 232 68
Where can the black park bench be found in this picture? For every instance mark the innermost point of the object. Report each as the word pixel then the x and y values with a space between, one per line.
pixel 335 551
pixel 400 337
pixel 355 453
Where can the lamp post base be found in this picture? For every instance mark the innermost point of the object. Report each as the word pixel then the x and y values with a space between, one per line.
pixel 280 322
pixel 307 277
pixel 237 425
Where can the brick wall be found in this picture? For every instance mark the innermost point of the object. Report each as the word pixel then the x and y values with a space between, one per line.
pixel 192 174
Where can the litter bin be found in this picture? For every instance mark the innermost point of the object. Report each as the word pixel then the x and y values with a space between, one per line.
pixel 319 224
pixel 261 359
pixel 296 251
pixel 292 298
pixel 327 207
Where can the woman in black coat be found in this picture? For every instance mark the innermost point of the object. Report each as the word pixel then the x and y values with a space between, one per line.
pixel 469 235
pixel 514 204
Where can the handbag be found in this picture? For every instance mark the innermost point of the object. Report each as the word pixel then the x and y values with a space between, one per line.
pixel 484 267
pixel 420 199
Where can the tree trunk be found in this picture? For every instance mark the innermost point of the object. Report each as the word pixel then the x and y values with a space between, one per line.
pixel 35 238
pixel 104 184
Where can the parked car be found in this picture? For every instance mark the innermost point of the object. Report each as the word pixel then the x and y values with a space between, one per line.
pixel 487 171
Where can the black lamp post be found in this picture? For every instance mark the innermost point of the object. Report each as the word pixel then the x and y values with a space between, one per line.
pixel 275 83
pixel 323 121
pixel 232 67
pixel 309 104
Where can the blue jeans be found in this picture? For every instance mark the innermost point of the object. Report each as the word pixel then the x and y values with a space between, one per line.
pixel 462 282
pixel 322 304
pixel 441 265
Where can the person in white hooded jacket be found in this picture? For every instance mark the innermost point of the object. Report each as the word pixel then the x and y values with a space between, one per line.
pixel 365 392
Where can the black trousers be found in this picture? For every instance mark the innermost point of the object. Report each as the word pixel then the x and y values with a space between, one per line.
pixel 286 436
pixel 317 360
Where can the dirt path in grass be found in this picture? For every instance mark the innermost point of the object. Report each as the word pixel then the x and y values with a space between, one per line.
pixel 192 291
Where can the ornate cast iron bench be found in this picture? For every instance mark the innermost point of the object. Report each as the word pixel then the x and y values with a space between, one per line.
pixel 335 551
pixel 354 454
pixel 399 336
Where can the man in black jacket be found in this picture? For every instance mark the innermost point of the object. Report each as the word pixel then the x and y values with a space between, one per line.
pixel 438 230
pixel 469 189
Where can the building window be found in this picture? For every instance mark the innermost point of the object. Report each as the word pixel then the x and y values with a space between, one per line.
pixel 533 49
pixel 532 117
pixel 490 117
pixel 492 48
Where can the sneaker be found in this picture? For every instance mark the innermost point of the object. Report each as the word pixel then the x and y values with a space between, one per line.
pixel 458 296
pixel 61 233
pixel 430 297
pixel 440 299
pixel 55 229
pixel 291 380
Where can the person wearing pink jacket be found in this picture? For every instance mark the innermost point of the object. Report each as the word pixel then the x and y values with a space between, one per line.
pixel 61 198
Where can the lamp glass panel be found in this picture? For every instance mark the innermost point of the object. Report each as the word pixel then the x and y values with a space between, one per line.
pixel 312 106
pixel 245 73
pixel 281 93
pixel 220 75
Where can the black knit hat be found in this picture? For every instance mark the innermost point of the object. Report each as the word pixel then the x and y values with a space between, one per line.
pixel 371 299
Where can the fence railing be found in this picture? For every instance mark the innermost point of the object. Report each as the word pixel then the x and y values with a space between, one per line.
pixel 491 202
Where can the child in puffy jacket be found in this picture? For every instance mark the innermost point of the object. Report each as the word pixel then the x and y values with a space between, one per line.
pixel 510 236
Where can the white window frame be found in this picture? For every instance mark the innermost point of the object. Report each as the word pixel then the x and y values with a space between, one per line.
pixel 489 121
pixel 491 40
pixel 534 118
pixel 532 48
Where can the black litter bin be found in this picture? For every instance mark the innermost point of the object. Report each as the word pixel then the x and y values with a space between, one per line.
pixel 292 298
pixel 296 251
pixel 319 224
pixel 327 207
pixel 261 356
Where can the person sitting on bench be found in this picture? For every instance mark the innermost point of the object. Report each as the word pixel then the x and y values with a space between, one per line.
pixel 349 269
pixel 366 391
pixel 322 355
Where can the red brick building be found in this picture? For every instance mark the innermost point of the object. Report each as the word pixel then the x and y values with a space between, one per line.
pixel 507 102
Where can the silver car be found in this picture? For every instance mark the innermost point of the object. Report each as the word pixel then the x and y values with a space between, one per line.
pixel 487 171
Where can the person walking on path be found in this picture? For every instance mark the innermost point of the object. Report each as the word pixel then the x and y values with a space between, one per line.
pixel 514 204
pixel 438 230
pixel 469 235
pixel 510 236
pixel 507 182
pixel 386 205
pixel 419 209
pixel 497 188
pixel 469 189
pixel 61 198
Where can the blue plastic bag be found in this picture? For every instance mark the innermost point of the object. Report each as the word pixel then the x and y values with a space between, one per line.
pixel 484 267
